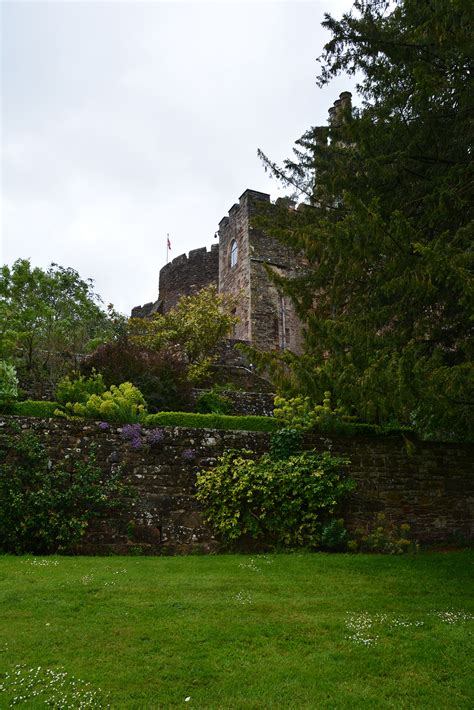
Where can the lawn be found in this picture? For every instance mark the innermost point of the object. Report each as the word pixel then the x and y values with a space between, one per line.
pixel 233 631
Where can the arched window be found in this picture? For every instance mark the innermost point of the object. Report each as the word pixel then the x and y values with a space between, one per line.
pixel 234 251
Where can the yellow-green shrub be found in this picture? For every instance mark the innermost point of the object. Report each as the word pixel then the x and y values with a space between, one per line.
pixel 122 403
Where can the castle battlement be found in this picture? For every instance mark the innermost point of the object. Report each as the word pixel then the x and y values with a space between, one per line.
pixel 186 275
pixel 194 255
pixel 246 201
pixel 237 266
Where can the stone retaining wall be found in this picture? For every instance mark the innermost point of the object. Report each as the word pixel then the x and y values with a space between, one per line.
pixel 428 485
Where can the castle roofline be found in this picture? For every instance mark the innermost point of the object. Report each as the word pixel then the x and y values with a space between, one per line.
pixel 245 199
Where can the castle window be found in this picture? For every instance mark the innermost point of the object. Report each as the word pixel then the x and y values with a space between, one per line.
pixel 234 250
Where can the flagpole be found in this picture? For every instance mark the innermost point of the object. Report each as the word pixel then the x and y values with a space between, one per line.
pixel 167 246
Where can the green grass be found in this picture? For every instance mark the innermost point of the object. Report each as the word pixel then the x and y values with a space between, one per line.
pixel 234 631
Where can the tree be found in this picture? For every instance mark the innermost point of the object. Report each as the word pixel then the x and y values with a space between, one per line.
pixel 387 227
pixel 49 317
pixel 161 376
pixel 192 330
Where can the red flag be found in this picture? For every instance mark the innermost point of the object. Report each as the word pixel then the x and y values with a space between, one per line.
pixel 168 243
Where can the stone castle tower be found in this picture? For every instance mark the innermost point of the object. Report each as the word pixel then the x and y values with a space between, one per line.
pixel 267 319
pixel 237 265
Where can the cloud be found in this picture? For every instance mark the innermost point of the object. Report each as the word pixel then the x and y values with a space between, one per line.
pixel 122 122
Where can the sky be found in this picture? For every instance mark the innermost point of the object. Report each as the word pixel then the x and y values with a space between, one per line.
pixel 122 122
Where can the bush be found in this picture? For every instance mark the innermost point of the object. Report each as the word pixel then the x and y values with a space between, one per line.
pixel 77 388
pixel 32 408
pixel 383 536
pixel 46 509
pixel 190 420
pixel 285 442
pixel 212 402
pixel 160 376
pixel 124 403
pixel 299 413
pixel 281 502
pixel 334 536
pixel 8 386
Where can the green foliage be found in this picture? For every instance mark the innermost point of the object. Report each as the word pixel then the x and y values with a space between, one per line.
pixel 160 376
pixel 49 317
pixel 44 508
pixel 32 408
pixel 77 388
pixel 213 402
pixel 249 422
pixel 334 536
pixel 280 502
pixel 193 329
pixel 8 386
pixel 300 413
pixel 383 536
pixel 122 403
pixel 387 231
pixel 285 442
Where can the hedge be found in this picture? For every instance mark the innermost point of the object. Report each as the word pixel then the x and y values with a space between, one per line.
pixel 211 421
pixel 33 408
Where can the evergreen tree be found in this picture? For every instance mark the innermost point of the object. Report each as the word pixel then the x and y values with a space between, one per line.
pixel 387 223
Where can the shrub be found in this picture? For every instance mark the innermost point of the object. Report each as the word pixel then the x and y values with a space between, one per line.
pixel 383 536
pixel 300 413
pixel 334 536
pixel 160 376
pixel 8 386
pixel 213 402
pixel 77 388
pixel 190 420
pixel 283 502
pixel 46 509
pixel 33 408
pixel 285 443
pixel 124 403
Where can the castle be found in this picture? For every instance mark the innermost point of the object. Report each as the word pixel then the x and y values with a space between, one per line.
pixel 237 265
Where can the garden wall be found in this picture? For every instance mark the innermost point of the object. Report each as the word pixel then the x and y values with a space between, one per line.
pixel 428 485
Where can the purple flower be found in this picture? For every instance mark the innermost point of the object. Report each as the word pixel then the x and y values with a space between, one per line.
pixel 155 436
pixel 104 426
pixel 188 454
pixel 131 431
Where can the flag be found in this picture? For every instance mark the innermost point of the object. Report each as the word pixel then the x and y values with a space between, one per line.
pixel 168 243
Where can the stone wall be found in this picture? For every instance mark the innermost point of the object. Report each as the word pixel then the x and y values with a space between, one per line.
pixel 428 485
pixel 275 324
pixel 267 319
pixel 235 279
pixel 186 275
pixel 260 403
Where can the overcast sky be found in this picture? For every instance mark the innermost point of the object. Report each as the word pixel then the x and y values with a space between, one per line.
pixel 124 121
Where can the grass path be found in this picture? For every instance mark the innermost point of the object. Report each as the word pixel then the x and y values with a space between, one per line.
pixel 275 631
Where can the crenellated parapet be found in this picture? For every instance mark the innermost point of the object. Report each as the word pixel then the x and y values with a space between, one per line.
pixel 184 276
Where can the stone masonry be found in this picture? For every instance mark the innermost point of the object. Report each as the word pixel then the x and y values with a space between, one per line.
pixel 426 484
pixel 267 319
pixel 184 276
